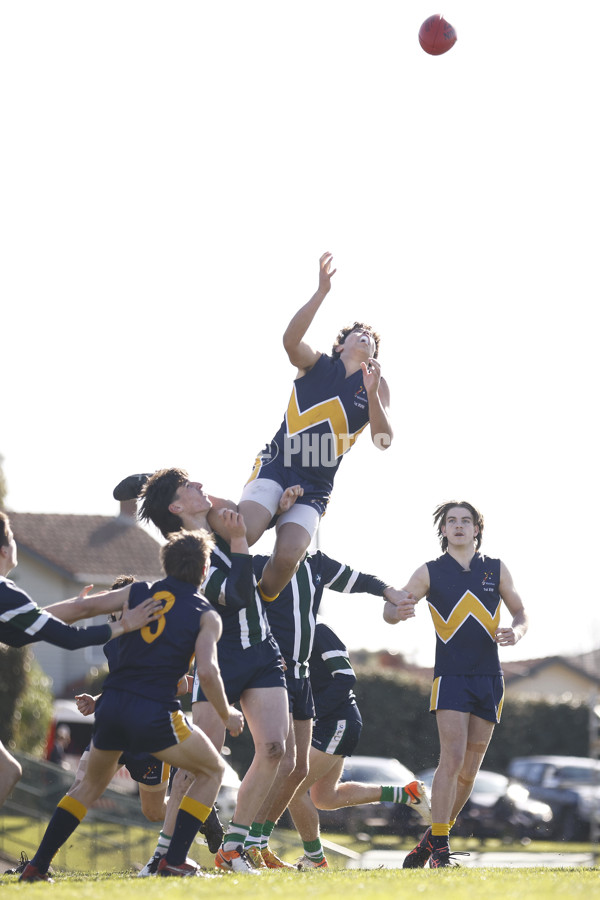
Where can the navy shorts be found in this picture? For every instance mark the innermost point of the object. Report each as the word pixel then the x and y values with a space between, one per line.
pixel 143 767
pixel 480 695
pixel 258 666
pixel 300 697
pixel 135 724
pixel 146 769
pixel 338 734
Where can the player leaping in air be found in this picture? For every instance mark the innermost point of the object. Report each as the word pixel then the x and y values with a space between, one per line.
pixel 333 399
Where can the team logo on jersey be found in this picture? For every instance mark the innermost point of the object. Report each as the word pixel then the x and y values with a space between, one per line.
pixel 360 397
pixel 487 583
pixel 268 453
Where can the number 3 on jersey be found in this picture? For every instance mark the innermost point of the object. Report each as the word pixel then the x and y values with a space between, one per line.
pixel 151 632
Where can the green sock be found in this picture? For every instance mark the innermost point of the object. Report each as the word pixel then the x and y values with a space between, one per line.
pixel 314 850
pixel 395 794
pixel 163 843
pixel 234 836
pixel 267 828
pixel 254 838
pixel 267 831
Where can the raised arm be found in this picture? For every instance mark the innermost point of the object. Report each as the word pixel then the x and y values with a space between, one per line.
pixel 300 353
pixel 514 604
pixel 86 606
pixel 234 586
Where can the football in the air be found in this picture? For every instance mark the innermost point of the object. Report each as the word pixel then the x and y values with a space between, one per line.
pixel 436 36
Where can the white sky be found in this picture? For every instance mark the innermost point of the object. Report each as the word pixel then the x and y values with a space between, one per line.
pixel 170 175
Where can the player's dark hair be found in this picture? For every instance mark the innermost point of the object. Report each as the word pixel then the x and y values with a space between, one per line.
pixel 4 529
pixel 186 554
pixel 119 582
pixel 439 519
pixel 157 495
pixel 341 338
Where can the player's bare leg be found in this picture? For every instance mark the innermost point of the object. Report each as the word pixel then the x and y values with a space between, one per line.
pixel 256 517
pixel 267 717
pixel 10 772
pixel 291 544
pixel 478 739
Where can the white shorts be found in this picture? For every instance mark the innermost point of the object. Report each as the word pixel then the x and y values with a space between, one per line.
pixel 268 494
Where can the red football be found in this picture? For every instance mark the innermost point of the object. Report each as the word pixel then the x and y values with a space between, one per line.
pixel 436 36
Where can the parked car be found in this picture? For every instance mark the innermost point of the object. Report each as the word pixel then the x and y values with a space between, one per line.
pixel 370 818
pixel 569 784
pixel 497 808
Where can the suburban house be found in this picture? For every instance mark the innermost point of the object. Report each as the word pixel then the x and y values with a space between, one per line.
pixel 61 554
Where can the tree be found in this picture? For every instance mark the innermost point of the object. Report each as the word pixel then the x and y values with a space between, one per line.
pixel 3 485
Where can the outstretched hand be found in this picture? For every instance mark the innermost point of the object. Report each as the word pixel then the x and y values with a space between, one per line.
pixel 400 605
pixel 139 616
pixel 325 273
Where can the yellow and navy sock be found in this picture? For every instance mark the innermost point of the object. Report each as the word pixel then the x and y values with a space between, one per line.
pixel 190 817
pixel 67 816
pixel 440 832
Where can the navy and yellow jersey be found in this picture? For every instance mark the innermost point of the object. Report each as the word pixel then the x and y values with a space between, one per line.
pixel 23 622
pixel 292 616
pixel 231 588
pixel 332 677
pixel 151 662
pixel 465 608
pixel 326 412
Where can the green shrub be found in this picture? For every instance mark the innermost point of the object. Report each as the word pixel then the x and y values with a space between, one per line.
pixel 25 701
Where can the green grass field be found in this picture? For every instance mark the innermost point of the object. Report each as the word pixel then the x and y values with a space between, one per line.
pixel 449 884
pixel 101 858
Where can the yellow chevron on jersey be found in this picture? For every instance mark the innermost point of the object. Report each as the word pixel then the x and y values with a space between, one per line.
pixel 468 605
pixel 331 411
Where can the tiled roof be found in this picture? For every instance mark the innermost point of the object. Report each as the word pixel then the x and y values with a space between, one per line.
pixel 100 547
pixel 583 664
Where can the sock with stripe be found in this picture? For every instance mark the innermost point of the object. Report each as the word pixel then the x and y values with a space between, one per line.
pixel 190 817
pixel 254 838
pixel 67 816
pixel 234 836
pixel 163 842
pixel 267 831
pixel 395 794
pixel 314 850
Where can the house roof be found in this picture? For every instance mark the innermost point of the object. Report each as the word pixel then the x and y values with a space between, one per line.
pixel 577 664
pixel 88 548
